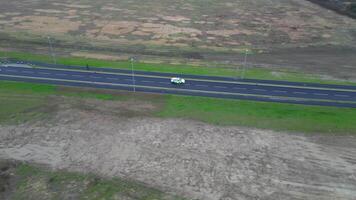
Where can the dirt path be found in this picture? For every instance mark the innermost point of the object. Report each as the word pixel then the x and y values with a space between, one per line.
pixel 189 158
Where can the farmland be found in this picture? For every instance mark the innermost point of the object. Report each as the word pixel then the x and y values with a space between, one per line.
pixel 287 34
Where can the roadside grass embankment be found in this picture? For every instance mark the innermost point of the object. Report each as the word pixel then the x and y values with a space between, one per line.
pixel 251 73
pixel 21 102
pixel 35 182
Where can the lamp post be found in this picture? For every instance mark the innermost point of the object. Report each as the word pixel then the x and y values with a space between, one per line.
pixel 132 59
pixel 244 65
pixel 51 49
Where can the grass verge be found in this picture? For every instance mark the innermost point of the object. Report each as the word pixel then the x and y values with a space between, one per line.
pixel 275 116
pixel 34 182
pixel 252 73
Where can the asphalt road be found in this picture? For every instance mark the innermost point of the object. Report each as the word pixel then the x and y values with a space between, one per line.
pixel 221 87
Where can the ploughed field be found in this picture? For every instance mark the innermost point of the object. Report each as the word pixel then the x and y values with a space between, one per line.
pixel 280 32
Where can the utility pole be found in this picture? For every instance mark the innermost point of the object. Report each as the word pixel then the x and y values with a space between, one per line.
pixel 51 49
pixel 132 59
pixel 244 65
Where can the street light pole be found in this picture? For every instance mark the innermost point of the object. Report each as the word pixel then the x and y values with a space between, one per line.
pixel 51 49
pixel 244 65
pixel 133 74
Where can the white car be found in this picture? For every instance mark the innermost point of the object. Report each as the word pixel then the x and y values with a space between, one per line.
pixel 177 80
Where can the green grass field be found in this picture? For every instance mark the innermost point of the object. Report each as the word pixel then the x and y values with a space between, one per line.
pixel 16 106
pixel 33 182
pixel 253 73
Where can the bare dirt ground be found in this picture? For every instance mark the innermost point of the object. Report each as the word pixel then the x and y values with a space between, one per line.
pixel 189 158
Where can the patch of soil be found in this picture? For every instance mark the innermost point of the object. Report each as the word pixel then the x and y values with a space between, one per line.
pixel 45 24
pixel 190 158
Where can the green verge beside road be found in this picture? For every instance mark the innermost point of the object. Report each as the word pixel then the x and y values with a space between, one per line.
pixel 253 73
pixel 18 104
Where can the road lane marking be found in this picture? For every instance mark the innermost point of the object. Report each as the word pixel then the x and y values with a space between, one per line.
pixel 174 89
pixel 143 81
pixel 95 77
pixel 28 72
pixel 45 73
pixel 261 90
pixel 115 79
pixel 238 88
pixel 11 70
pixel 280 91
pixel 299 92
pixel 320 94
pixel 201 85
pixel 342 95
pixel 61 74
pixel 222 87
pixel 75 75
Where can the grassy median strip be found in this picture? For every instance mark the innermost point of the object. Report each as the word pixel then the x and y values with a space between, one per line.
pixel 35 182
pixel 253 73
pixel 21 104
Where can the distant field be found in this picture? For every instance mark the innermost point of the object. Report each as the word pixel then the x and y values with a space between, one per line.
pixel 203 24
pixel 281 31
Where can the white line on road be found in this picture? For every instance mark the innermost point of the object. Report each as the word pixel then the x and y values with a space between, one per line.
pixel 280 91
pixel 142 81
pixel 299 92
pixel 261 90
pixel 201 85
pixel 342 95
pixel 112 79
pixel 220 87
pixel 321 94
pixel 61 74
pixel 11 70
pixel 78 75
pixel 95 77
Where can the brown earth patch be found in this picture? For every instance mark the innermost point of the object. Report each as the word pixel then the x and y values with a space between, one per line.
pixel 177 18
pixel 72 5
pixel 45 24
pixel 98 56
pixel 227 33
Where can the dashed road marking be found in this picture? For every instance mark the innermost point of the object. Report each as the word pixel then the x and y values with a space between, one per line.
pixel 11 70
pixel 342 95
pixel 280 91
pixel 299 92
pixel 220 87
pixel 321 94
pixel 261 90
